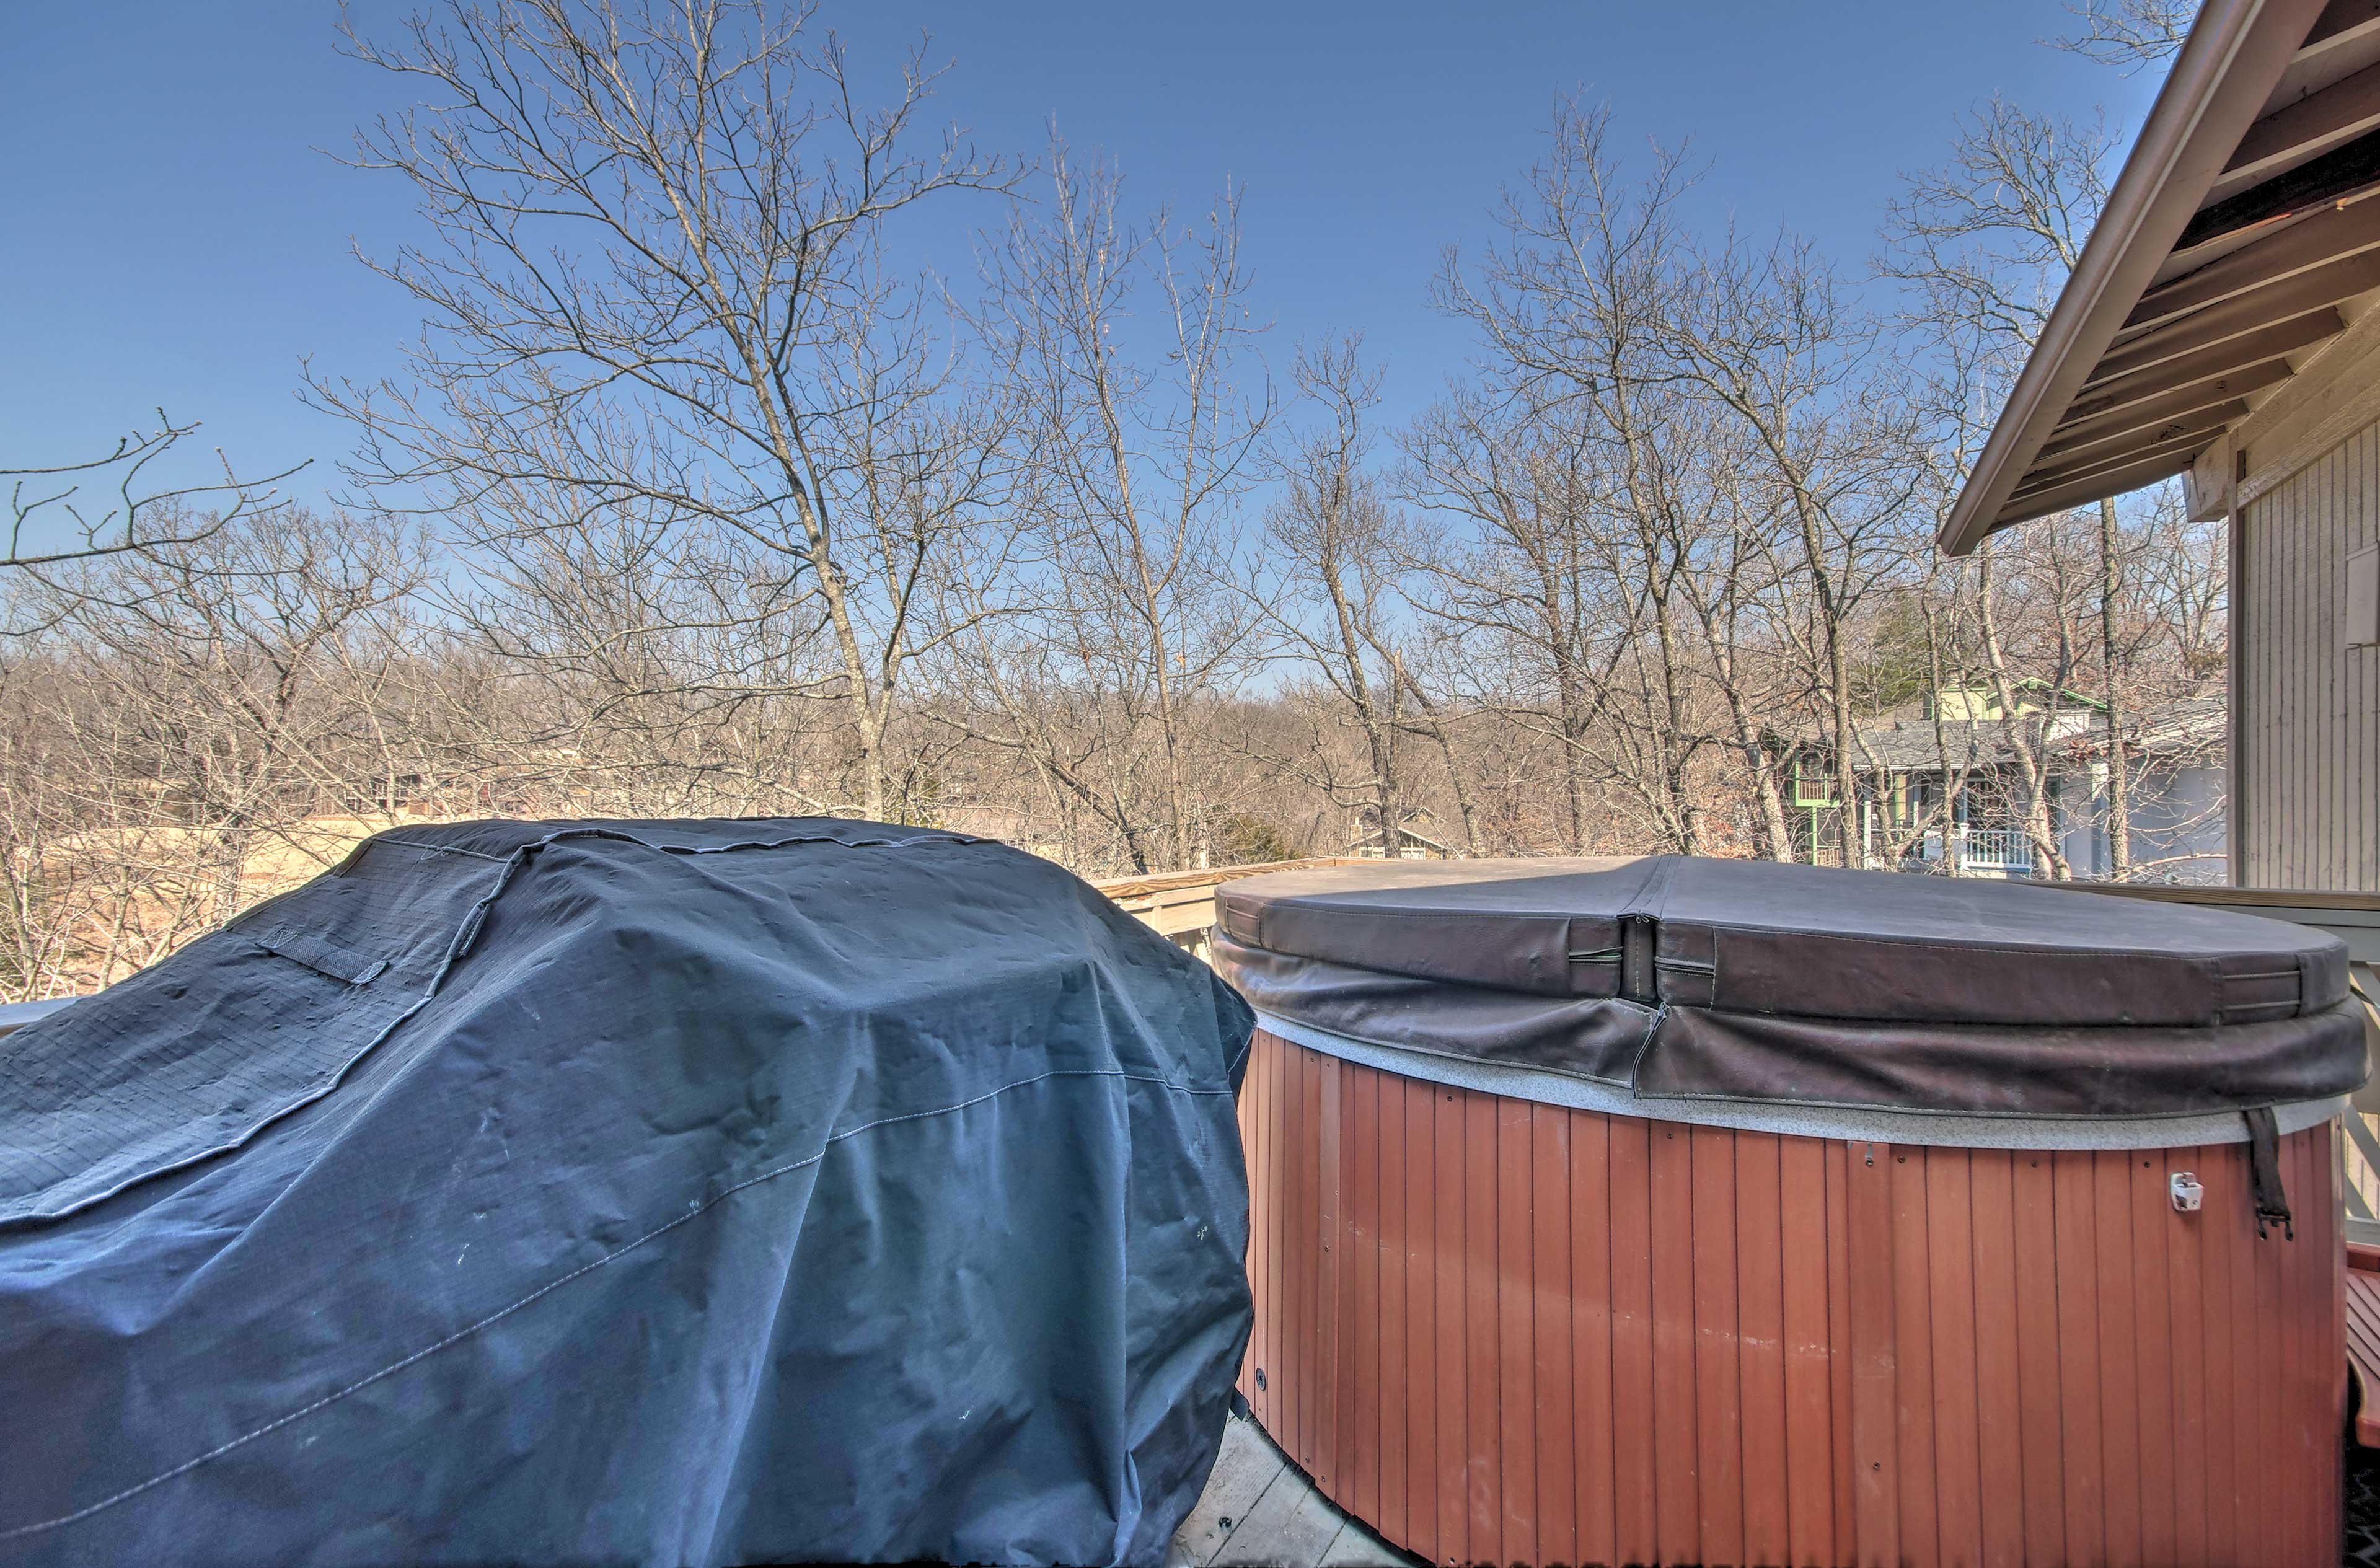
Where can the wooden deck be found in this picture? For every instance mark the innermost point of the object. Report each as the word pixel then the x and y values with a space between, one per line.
pixel 2363 1340
pixel 1258 1510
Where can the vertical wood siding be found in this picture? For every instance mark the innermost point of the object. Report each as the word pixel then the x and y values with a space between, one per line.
pixel 1510 1332
pixel 2307 776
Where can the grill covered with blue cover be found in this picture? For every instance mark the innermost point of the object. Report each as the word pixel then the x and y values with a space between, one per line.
pixel 673 1193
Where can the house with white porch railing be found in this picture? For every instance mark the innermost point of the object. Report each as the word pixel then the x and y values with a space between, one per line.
pixel 1944 789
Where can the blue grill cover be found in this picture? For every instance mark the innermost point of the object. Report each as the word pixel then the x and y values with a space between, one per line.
pixel 637 1192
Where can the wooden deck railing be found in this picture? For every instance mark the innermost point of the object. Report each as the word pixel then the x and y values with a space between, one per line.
pixel 1181 905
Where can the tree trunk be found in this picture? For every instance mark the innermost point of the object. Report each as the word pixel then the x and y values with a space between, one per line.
pixel 2038 827
pixel 2119 805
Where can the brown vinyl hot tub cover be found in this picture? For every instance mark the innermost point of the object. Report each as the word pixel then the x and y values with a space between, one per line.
pixel 1676 976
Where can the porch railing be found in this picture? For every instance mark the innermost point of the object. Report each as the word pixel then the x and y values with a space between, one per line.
pixel 1993 851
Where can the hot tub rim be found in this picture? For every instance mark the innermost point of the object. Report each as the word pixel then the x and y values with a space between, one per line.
pixel 1862 1124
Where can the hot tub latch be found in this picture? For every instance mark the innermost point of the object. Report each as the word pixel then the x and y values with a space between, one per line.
pixel 2188 1195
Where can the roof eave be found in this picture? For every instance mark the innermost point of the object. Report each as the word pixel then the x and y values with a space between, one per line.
pixel 2219 83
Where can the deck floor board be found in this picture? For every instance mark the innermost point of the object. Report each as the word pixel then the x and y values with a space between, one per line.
pixel 1258 1509
pixel 2363 1350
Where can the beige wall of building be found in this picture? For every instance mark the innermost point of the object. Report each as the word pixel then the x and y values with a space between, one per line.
pixel 2305 695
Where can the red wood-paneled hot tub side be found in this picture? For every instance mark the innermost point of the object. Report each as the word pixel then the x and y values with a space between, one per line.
pixel 1506 1331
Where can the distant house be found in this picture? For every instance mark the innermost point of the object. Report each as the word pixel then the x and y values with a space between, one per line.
pixel 1979 703
pixel 1942 787
pixel 1416 833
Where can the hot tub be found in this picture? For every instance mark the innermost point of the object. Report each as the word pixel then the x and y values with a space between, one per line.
pixel 1695 1211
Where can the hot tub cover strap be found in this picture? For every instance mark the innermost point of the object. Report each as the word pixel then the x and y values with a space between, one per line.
pixel 1683 977
pixel 2264 1171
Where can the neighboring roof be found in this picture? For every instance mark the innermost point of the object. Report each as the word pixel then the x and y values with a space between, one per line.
pixel 1410 827
pixel 1406 834
pixel 2035 683
pixel 2191 721
pixel 2217 269
pixel 1914 746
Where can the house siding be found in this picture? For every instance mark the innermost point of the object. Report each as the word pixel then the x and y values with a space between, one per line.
pixel 2306 707
pixel 2177 823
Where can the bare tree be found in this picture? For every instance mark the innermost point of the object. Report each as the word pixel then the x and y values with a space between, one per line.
pixel 1332 594
pixel 2128 34
pixel 1573 301
pixel 1985 242
pixel 1139 473
pixel 1738 595
pixel 744 510
pixel 134 511
pixel 193 707
pixel 671 672
pixel 659 283
pixel 1535 628
pixel 1448 727
pixel 1772 341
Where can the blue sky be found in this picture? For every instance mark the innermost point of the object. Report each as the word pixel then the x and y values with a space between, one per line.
pixel 170 233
